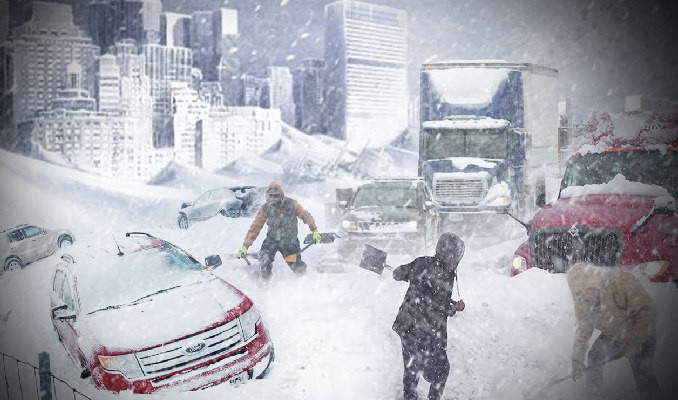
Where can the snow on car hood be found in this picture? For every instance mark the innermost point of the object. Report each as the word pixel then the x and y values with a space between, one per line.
pixel 597 210
pixel 390 214
pixel 164 317
pixel 618 185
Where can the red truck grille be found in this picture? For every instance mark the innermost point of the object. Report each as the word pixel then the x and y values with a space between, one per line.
pixel 556 249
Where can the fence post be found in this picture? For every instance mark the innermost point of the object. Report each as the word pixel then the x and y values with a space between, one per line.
pixel 45 376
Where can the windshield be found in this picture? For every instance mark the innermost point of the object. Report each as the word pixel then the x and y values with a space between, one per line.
pixel 386 196
pixel 644 166
pixel 119 280
pixel 445 143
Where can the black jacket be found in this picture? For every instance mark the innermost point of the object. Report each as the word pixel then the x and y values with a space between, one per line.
pixel 428 301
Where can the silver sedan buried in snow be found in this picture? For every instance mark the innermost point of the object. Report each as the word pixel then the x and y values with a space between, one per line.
pixel 24 244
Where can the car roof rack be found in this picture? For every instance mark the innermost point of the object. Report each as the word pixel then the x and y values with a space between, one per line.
pixel 128 234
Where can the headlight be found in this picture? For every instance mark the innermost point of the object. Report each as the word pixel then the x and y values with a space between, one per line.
pixel 125 364
pixel 248 322
pixel 500 201
pixel 412 225
pixel 519 263
pixel 653 268
pixel 350 225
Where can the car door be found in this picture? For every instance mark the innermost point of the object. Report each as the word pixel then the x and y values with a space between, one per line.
pixel 224 199
pixel 37 242
pixel 64 295
pixel 197 211
pixel 18 245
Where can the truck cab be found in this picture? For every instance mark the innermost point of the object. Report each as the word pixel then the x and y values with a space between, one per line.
pixel 398 214
pixel 616 207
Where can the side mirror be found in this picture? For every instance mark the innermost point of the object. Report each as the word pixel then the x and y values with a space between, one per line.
pixel 62 313
pixel 213 261
pixel 664 205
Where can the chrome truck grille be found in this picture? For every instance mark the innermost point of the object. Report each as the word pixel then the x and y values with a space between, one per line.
pixel 192 350
pixel 453 190
pixel 556 249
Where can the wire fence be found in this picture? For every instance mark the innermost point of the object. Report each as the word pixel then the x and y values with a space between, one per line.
pixel 25 381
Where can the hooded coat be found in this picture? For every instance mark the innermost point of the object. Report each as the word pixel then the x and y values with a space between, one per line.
pixel 281 219
pixel 428 301
pixel 623 309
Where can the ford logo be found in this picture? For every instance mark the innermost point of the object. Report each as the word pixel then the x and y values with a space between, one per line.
pixel 195 348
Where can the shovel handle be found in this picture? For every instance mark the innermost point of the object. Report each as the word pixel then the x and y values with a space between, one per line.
pixel 305 247
pixel 244 257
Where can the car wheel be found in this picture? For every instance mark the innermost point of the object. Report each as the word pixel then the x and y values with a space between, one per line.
pixel 64 241
pixel 12 263
pixel 183 221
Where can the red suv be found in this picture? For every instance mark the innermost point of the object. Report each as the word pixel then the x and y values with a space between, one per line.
pixel 141 314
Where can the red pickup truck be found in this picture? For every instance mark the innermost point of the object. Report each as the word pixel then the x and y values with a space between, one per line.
pixel 616 204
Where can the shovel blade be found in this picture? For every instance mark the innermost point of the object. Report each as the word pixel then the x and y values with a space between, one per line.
pixel 324 238
pixel 373 259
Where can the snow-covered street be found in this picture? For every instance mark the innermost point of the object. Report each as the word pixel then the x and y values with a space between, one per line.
pixel 332 327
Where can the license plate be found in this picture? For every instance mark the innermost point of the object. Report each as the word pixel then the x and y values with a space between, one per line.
pixel 456 217
pixel 238 379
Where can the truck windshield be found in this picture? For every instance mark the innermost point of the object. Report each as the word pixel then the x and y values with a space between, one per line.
pixel 385 196
pixel 645 166
pixel 445 143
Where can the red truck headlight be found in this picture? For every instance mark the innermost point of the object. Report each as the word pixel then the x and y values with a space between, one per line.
pixel 519 264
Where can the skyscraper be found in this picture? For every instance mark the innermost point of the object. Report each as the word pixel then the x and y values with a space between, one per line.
pixel 280 92
pixel 309 86
pixel 42 48
pixel 366 99
pixel 175 29
pixel 212 34
pixel 108 84
pixel 112 20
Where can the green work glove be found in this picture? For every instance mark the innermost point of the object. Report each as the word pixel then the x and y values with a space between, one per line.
pixel 317 237
pixel 241 252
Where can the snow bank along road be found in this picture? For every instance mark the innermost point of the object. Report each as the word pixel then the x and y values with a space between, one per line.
pixel 332 327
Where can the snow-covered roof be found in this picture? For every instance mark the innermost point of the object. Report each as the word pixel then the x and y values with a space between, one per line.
pixel 618 185
pixel 467 86
pixel 605 130
pixel 467 123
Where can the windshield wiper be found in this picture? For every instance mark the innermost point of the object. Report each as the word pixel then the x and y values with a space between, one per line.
pixel 135 302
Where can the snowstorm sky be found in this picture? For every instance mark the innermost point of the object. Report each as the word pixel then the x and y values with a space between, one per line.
pixel 604 50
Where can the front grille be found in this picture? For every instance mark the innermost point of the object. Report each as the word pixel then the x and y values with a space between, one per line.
pixel 556 249
pixel 459 191
pixel 192 350
pixel 383 227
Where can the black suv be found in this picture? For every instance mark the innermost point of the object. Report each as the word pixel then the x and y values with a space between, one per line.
pixel 397 214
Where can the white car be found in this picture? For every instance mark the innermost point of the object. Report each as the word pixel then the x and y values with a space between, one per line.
pixel 24 244
pixel 211 203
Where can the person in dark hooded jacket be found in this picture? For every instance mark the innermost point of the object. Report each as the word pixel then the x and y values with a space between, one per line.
pixel 422 319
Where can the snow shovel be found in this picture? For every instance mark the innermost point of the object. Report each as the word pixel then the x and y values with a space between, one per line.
pixel 374 260
pixel 308 241
pixel 543 392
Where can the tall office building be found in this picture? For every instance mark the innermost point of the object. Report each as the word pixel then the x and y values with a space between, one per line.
pixel 308 92
pixel 280 92
pixel 4 20
pixel 366 99
pixel 108 84
pixel 212 35
pixel 175 29
pixel 112 20
pixel 187 115
pixel 42 48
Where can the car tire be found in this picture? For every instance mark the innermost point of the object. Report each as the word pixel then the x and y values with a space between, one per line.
pixel 183 221
pixel 12 262
pixel 64 241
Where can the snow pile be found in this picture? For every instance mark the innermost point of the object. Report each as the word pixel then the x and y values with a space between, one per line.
pixel 618 185
pixel 184 176
pixel 604 130
pixel 467 86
